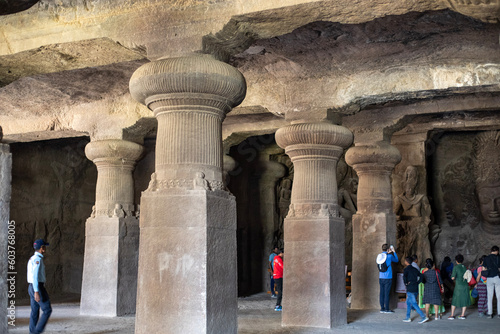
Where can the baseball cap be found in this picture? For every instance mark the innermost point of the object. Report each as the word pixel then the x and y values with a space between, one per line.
pixel 39 243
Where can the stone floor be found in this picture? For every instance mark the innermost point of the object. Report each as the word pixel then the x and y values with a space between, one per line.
pixel 256 316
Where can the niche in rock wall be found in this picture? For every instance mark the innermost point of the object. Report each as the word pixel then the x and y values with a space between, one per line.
pixel 464 182
pixel 53 190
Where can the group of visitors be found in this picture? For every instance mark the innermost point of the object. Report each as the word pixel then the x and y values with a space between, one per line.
pixel 426 286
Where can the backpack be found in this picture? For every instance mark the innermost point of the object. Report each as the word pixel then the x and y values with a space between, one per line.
pixel 381 262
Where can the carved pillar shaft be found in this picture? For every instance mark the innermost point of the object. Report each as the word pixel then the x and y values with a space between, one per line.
pixel 7 232
pixel 269 173
pixel 112 232
pixel 374 223
pixel 187 255
pixel 314 232
pixel 196 146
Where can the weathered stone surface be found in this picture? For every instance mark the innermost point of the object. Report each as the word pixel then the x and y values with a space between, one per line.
pixel 187 263
pixel 109 281
pixel 112 232
pixel 314 230
pixel 466 223
pixel 389 55
pixel 484 10
pixel 6 230
pixel 168 28
pixel 93 101
pixel 374 223
pixel 186 202
pixel 53 190
pixel 63 57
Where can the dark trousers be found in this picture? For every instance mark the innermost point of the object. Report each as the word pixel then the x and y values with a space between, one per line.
pixel 385 291
pixel 37 325
pixel 279 287
pixel 272 285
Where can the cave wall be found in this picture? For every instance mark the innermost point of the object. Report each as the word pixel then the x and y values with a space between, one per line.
pixel 53 190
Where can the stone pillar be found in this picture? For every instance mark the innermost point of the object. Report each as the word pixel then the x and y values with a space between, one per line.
pixel 374 223
pixel 112 232
pixel 314 276
pixel 187 254
pixel 269 173
pixel 5 192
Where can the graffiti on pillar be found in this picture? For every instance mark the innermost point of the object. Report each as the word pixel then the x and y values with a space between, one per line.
pixel 413 213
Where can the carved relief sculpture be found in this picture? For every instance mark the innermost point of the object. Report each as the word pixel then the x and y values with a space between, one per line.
pixel 487 151
pixel 413 214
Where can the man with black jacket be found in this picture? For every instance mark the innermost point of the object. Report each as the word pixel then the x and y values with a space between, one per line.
pixel 412 278
pixel 490 269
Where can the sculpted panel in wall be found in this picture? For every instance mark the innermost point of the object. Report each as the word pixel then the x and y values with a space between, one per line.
pixel 465 181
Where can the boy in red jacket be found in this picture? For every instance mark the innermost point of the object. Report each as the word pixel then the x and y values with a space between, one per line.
pixel 278 278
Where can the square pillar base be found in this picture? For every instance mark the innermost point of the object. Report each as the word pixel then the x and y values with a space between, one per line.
pixel 109 285
pixel 370 232
pixel 314 293
pixel 187 263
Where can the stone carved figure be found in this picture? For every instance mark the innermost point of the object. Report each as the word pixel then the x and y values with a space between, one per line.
pixel 153 183
pixel 118 211
pixel 200 182
pixel 285 195
pixel 348 198
pixel 93 212
pixel 458 187
pixel 487 175
pixel 413 212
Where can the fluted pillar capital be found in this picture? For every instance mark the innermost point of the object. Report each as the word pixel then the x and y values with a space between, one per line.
pixel 172 84
pixel 314 149
pixel 374 164
pixel 313 139
pixel 374 155
pixel 115 160
pixel 113 150
pixel 190 97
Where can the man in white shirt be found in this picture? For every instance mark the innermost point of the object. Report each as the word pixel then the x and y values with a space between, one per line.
pixel 39 298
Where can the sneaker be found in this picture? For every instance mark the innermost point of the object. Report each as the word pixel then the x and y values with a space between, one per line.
pixel 382 311
pixel 389 311
pixel 406 320
pixel 481 314
pixel 451 317
pixel 423 320
pixel 274 296
pixel 489 316
pixel 278 308
pixel 461 318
